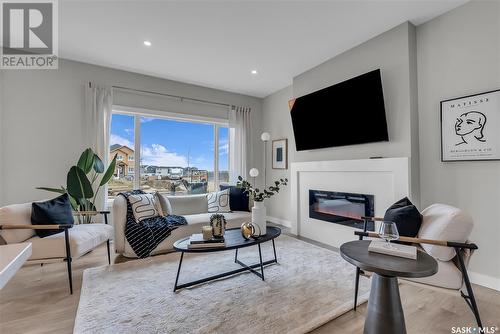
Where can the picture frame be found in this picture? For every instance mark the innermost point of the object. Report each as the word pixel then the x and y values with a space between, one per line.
pixel 469 127
pixel 280 154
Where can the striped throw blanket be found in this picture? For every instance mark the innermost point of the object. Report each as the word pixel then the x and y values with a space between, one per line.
pixel 146 235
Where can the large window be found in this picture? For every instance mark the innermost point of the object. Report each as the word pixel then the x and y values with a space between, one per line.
pixel 178 157
pixel 122 145
pixel 223 155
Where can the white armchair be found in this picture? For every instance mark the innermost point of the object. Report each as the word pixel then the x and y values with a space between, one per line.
pixel 443 235
pixel 72 242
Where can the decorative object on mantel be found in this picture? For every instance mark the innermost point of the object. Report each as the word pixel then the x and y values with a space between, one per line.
pixel 265 137
pixel 218 223
pixel 83 192
pixel 258 196
pixel 469 127
pixel 250 230
pixel 280 154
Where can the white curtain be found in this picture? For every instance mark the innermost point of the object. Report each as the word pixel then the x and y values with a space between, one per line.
pixel 98 108
pixel 240 142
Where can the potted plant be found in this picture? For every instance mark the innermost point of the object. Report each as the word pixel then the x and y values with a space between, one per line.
pixel 258 196
pixel 84 181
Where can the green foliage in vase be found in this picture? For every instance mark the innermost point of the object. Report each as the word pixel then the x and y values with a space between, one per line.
pixel 256 193
pixel 83 182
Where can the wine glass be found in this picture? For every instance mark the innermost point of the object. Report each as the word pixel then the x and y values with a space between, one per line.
pixel 388 231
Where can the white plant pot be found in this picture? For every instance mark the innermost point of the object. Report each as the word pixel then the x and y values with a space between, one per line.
pixel 259 215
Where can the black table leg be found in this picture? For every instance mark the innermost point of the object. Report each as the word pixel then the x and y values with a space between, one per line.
pixel 274 250
pixel 385 313
pixel 178 271
pixel 261 265
pixel 244 267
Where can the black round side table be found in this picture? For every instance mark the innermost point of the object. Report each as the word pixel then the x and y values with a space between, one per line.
pixel 385 313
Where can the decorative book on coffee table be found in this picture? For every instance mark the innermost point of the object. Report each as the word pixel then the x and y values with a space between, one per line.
pixel 197 241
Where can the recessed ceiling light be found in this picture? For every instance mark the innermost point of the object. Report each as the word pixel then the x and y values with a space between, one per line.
pixel 254 72
pixel 147 43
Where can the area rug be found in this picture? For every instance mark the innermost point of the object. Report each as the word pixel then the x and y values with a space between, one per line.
pixel 307 288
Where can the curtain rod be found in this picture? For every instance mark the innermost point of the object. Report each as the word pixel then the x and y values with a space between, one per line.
pixel 182 98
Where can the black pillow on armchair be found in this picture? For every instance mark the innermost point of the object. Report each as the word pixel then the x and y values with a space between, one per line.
pixel 238 200
pixel 406 216
pixel 55 211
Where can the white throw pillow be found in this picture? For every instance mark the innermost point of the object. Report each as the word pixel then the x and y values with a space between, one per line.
pixel 218 201
pixel 144 206
pixel 444 222
pixel 165 205
pixel 16 214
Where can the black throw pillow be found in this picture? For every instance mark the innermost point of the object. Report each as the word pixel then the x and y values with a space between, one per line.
pixel 238 200
pixel 406 216
pixel 55 211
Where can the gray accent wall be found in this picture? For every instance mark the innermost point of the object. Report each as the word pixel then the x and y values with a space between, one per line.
pixel 458 55
pixel 394 53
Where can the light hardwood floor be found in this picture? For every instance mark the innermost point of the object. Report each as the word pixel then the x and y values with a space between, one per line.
pixel 37 300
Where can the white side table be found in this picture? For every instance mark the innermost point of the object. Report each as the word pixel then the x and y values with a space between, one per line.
pixel 12 257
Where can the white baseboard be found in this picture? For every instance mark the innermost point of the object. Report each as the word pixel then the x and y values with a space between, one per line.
pixel 282 222
pixel 485 280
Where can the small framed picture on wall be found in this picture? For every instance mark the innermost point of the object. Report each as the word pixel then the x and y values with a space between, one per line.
pixel 280 154
pixel 470 127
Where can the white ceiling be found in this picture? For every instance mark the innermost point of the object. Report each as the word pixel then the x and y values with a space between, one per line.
pixel 217 44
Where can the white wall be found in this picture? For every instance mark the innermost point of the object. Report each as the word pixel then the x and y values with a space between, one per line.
pixel 458 55
pixel 392 52
pixel 41 130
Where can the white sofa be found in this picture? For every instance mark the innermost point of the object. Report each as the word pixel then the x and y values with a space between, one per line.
pixel 193 207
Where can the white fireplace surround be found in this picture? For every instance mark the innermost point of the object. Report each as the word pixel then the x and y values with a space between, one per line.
pixel 388 179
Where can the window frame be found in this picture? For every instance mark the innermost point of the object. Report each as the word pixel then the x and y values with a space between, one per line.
pixel 137 113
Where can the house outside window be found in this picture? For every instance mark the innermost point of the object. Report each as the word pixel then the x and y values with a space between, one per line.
pixel 178 157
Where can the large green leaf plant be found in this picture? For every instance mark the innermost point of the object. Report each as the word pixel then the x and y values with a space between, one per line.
pixel 84 181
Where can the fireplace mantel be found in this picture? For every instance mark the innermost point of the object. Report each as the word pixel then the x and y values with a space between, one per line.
pixel 388 179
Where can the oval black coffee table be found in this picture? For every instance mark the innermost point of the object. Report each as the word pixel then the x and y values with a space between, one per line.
pixel 385 313
pixel 233 240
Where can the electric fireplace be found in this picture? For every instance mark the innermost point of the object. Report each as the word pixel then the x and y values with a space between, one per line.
pixel 341 208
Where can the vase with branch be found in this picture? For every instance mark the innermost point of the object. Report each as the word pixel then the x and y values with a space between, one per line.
pixel 258 196
pixel 84 181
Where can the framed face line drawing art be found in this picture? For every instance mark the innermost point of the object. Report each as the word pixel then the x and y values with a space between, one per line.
pixel 280 154
pixel 470 127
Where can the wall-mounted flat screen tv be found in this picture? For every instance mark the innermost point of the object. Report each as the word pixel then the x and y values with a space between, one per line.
pixel 347 113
